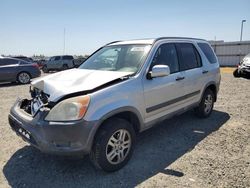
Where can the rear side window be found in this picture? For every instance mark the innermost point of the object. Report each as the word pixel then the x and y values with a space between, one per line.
pixel 188 56
pixel 206 49
pixel 5 62
pixel 67 57
pixel 25 62
pixel 57 58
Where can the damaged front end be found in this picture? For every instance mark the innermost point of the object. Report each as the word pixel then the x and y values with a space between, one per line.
pixel 38 100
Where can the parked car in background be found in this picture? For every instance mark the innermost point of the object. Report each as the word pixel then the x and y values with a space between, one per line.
pixel 121 90
pixel 29 59
pixel 17 70
pixel 79 61
pixel 40 62
pixel 56 63
pixel 243 67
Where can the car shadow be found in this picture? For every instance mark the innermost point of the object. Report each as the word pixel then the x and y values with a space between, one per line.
pixel 8 84
pixel 12 84
pixel 156 149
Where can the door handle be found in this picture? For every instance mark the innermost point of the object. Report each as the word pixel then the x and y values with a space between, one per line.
pixel 179 78
pixel 205 71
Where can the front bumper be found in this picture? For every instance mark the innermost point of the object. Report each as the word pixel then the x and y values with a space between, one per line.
pixel 63 138
pixel 244 69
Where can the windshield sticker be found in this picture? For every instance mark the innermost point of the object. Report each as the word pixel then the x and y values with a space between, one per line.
pixel 138 49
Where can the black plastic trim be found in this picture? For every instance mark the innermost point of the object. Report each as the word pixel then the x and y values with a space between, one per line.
pixel 167 103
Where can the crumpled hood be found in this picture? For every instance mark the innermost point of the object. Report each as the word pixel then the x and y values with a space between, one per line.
pixel 66 82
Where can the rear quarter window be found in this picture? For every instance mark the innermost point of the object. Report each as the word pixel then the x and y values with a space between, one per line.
pixel 206 49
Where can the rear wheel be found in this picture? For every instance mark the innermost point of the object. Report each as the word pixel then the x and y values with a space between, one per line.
pixel 45 69
pixel 113 145
pixel 65 67
pixel 23 78
pixel 206 105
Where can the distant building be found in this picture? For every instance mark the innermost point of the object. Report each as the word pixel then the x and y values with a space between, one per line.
pixel 230 53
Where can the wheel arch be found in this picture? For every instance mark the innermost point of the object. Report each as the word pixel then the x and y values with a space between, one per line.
pixel 212 86
pixel 130 114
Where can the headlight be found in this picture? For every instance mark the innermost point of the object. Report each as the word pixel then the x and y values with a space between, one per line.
pixel 69 109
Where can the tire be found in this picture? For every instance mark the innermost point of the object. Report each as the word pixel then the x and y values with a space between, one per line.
pixel 206 105
pixel 23 78
pixel 65 67
pixel 45 69
pixel 109 146
pixel 236 73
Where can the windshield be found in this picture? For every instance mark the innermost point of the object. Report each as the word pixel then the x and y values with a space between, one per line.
pixel 123 58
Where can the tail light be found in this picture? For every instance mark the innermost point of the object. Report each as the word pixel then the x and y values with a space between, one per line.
pixel 35 65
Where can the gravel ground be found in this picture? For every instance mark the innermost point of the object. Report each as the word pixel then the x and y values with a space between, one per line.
pixel 181 152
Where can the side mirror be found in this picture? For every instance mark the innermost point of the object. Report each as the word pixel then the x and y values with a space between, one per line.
pixel 159 71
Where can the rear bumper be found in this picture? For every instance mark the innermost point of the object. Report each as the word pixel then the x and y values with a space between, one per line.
pixel 36 73
pixel 62 138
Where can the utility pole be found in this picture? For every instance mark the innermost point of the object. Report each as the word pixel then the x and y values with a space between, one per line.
pixel 241 31
pixel 64 31
pixel 215 44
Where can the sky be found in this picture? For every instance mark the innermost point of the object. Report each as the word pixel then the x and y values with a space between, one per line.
pixel 31 27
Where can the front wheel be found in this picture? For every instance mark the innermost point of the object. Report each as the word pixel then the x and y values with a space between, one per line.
pixel 236 73
pixel 113 145
pixel 206 105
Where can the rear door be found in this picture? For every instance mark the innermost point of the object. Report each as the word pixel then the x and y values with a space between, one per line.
pixel 50 63
pixel 68 60
pixel 8 69
pixel 191 67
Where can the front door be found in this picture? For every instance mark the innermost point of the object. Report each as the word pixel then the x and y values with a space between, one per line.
pixel 164 95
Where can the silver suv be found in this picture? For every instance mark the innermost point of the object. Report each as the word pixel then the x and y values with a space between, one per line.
pixel 59 63
pixel 121 90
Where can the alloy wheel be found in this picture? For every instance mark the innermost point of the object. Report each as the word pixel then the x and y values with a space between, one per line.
pixel 208 103
pixel 24 78
pixel 118 146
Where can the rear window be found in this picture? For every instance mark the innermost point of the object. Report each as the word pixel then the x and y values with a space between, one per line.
pixel 206 49
pixel 67 57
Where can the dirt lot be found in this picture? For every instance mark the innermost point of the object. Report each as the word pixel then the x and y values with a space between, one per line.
pixel 180 152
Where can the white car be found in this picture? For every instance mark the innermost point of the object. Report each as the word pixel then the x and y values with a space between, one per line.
pixel 243 67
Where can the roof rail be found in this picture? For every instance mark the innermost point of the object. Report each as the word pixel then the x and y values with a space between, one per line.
pixel 162 38
pixel 112 42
